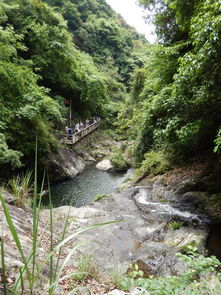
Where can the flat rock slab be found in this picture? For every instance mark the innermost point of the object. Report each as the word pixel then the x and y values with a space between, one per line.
pixel 121 229
pixel 137 234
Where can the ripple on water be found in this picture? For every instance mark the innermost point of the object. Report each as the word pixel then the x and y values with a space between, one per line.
pixel 81 189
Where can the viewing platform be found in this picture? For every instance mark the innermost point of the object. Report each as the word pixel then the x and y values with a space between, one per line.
pixel 77 136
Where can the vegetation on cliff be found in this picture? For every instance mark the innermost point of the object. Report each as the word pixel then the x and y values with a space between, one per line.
pixel 174 104
pixel 42 64
pixel 164 98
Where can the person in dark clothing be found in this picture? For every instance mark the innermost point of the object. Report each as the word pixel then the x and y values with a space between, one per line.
pixel 70 133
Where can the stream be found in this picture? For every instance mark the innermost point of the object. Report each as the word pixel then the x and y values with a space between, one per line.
pixel 81 189
pixel 152 214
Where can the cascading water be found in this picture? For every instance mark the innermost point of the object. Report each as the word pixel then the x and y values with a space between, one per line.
pixel 177 209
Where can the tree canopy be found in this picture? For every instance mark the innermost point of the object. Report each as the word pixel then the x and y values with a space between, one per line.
pixel 99 31
pixel 177 92
pixel 52 51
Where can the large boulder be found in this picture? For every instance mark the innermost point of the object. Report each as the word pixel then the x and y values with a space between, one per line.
pixel 105 165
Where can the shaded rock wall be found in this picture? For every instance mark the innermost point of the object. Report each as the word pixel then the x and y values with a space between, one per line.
pixel 65 164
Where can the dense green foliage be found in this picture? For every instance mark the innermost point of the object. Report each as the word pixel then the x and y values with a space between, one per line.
pixel 41 67
pixel 177 91
pixel 116 48
pixel 99 31
pixel 201 276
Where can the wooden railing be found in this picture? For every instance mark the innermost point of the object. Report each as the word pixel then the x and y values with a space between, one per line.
pixel 72 139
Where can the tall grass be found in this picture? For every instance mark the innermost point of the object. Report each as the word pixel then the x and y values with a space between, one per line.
pixel 32 269
pixel 21 187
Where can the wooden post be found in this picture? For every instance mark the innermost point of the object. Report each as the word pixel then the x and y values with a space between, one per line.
pixel 70 113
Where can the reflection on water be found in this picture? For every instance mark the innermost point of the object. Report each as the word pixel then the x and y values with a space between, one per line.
pixel 81 189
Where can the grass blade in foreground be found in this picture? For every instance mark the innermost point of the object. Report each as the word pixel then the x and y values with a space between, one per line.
pixel 15 237
pixel 21 271
pixel 59 253
pixel 58 277
pixel 70 237
pixel 35 217
pixel 51 239
pixel 3 263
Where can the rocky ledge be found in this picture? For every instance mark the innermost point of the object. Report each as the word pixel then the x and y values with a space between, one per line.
pixel 148 225
pixel 143 232
pixel 67 162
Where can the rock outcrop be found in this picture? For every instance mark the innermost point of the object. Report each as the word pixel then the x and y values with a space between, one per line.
pixel 69 161
pixel 65 164
pixel 133 226
pixel 105 165
pixel 141 230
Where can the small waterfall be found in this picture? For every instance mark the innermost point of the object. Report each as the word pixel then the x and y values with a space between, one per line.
pixel 176 210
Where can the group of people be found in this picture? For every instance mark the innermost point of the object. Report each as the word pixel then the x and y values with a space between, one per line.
pixel 80 126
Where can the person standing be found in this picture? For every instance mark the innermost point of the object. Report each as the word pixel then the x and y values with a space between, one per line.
pixel 70 133
pixel 77 127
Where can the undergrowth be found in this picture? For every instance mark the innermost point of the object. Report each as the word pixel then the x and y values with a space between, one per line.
pixel 118 159
pixel 21 187
pixel 154 163
pixel 201 277
pixel 85 268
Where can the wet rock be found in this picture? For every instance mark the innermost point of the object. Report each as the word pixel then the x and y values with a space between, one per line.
pixel 192 198
pixel 146 231
pixel 171 208
pixel 185 187
pixel 159 258
pixel 105 165
pixel 135 231
pixel 87 157
pixel 141 266
pixel 8 198
pixel 200 195
pixel 143 236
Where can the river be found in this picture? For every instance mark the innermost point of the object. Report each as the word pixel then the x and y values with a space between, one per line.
pixel 81 189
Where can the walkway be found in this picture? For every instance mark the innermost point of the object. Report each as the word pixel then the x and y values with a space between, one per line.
pixel 79 135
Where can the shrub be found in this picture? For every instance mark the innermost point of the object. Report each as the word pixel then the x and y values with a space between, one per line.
pixel 118 159
pixel 21 186
pixel 201 276
pixel 154 163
